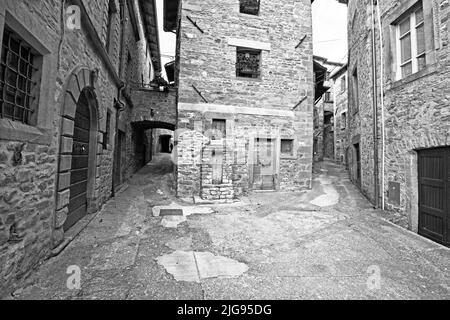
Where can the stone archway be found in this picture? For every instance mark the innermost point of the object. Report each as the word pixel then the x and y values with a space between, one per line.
pixel 79 89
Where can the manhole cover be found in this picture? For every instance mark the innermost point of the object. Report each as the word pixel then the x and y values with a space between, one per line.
pixel 171 212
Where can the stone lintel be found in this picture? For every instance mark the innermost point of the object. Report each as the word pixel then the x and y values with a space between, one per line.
pixel 221 108
pixel 249 44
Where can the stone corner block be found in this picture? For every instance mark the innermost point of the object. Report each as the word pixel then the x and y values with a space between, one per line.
pixel 61 217
pixel 63 199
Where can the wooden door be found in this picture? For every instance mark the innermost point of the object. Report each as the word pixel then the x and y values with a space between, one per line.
pixel 264 168
pixel 80 161
pixel 118 154
pixel 358 164
pixel 434 194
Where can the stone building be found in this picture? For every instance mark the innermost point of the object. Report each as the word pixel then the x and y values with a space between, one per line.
pixel 66 98
pixel 410 175
pixel 324 128
pixel 245 96
pixel 340 107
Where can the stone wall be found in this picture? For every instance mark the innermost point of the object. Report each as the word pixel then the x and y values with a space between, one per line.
pixel 209 89
pixel 33 189
pixel 318 130
pixel 163 105
pixel 417 108
pixel 340 93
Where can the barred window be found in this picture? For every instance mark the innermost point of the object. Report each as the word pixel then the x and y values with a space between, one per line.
pixel 17 73
pixel 249 6
pixel 248 63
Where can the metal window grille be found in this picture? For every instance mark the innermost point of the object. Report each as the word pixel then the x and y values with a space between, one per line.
pixel 249 6
pixel 248 63
pixel 16 79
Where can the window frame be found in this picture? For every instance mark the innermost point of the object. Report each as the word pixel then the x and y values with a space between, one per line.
pixel 32 79
pixel 250 14
pixel 41 132
pixel 343 83
pixel 343 120
pixel 355 91
pixel 112 11
pixel 410 15
pixel 284 154
pixel 214 127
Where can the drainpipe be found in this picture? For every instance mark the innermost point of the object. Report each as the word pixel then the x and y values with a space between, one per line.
pixel 375 111
pixel 383 131
pixel 119 105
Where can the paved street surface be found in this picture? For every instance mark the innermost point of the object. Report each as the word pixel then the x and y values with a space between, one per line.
pixel 324 244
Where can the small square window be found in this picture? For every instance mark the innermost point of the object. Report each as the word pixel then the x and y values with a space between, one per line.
pixel 355 93
pixel 248 63
pixel 287 147
pixel 219 129
pixel 343 84
pixel 343 120
pixel 249 7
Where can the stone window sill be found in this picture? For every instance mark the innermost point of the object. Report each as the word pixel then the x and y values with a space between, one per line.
pixel 16 131
pixel 287 157
pixel 250 16
pixel 249 79
pixel 429 70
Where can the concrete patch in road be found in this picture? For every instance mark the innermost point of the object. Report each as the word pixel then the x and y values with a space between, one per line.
pixel 211 266
pixel 187 210
pixel 182 264
pixel 331 196
pixel 183 244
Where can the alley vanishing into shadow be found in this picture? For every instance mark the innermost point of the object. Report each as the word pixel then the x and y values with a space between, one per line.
pixel 327 243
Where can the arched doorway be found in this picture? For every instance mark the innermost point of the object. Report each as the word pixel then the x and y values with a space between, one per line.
pixel 79 173
pixel 79 144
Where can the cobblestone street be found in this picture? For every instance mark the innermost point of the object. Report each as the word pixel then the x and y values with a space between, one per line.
pixel 327 243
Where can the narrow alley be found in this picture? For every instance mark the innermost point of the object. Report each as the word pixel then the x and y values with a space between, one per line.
pixel 224 150
pixel 327 243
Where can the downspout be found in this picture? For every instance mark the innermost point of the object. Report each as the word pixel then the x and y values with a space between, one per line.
pixel 375 111
pixel 383 132
pixel 119 105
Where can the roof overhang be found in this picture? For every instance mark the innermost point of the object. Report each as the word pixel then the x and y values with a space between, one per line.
pixel 148 10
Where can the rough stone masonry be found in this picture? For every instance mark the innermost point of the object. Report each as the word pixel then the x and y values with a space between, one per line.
pixel 417 106
pixel 266 121
pixel 36 157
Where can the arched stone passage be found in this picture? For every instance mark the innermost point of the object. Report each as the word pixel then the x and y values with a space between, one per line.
pixel 78 149
pixel 145 140
pixel 146 124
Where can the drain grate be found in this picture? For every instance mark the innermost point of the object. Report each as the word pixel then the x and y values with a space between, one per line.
pixel 171 212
